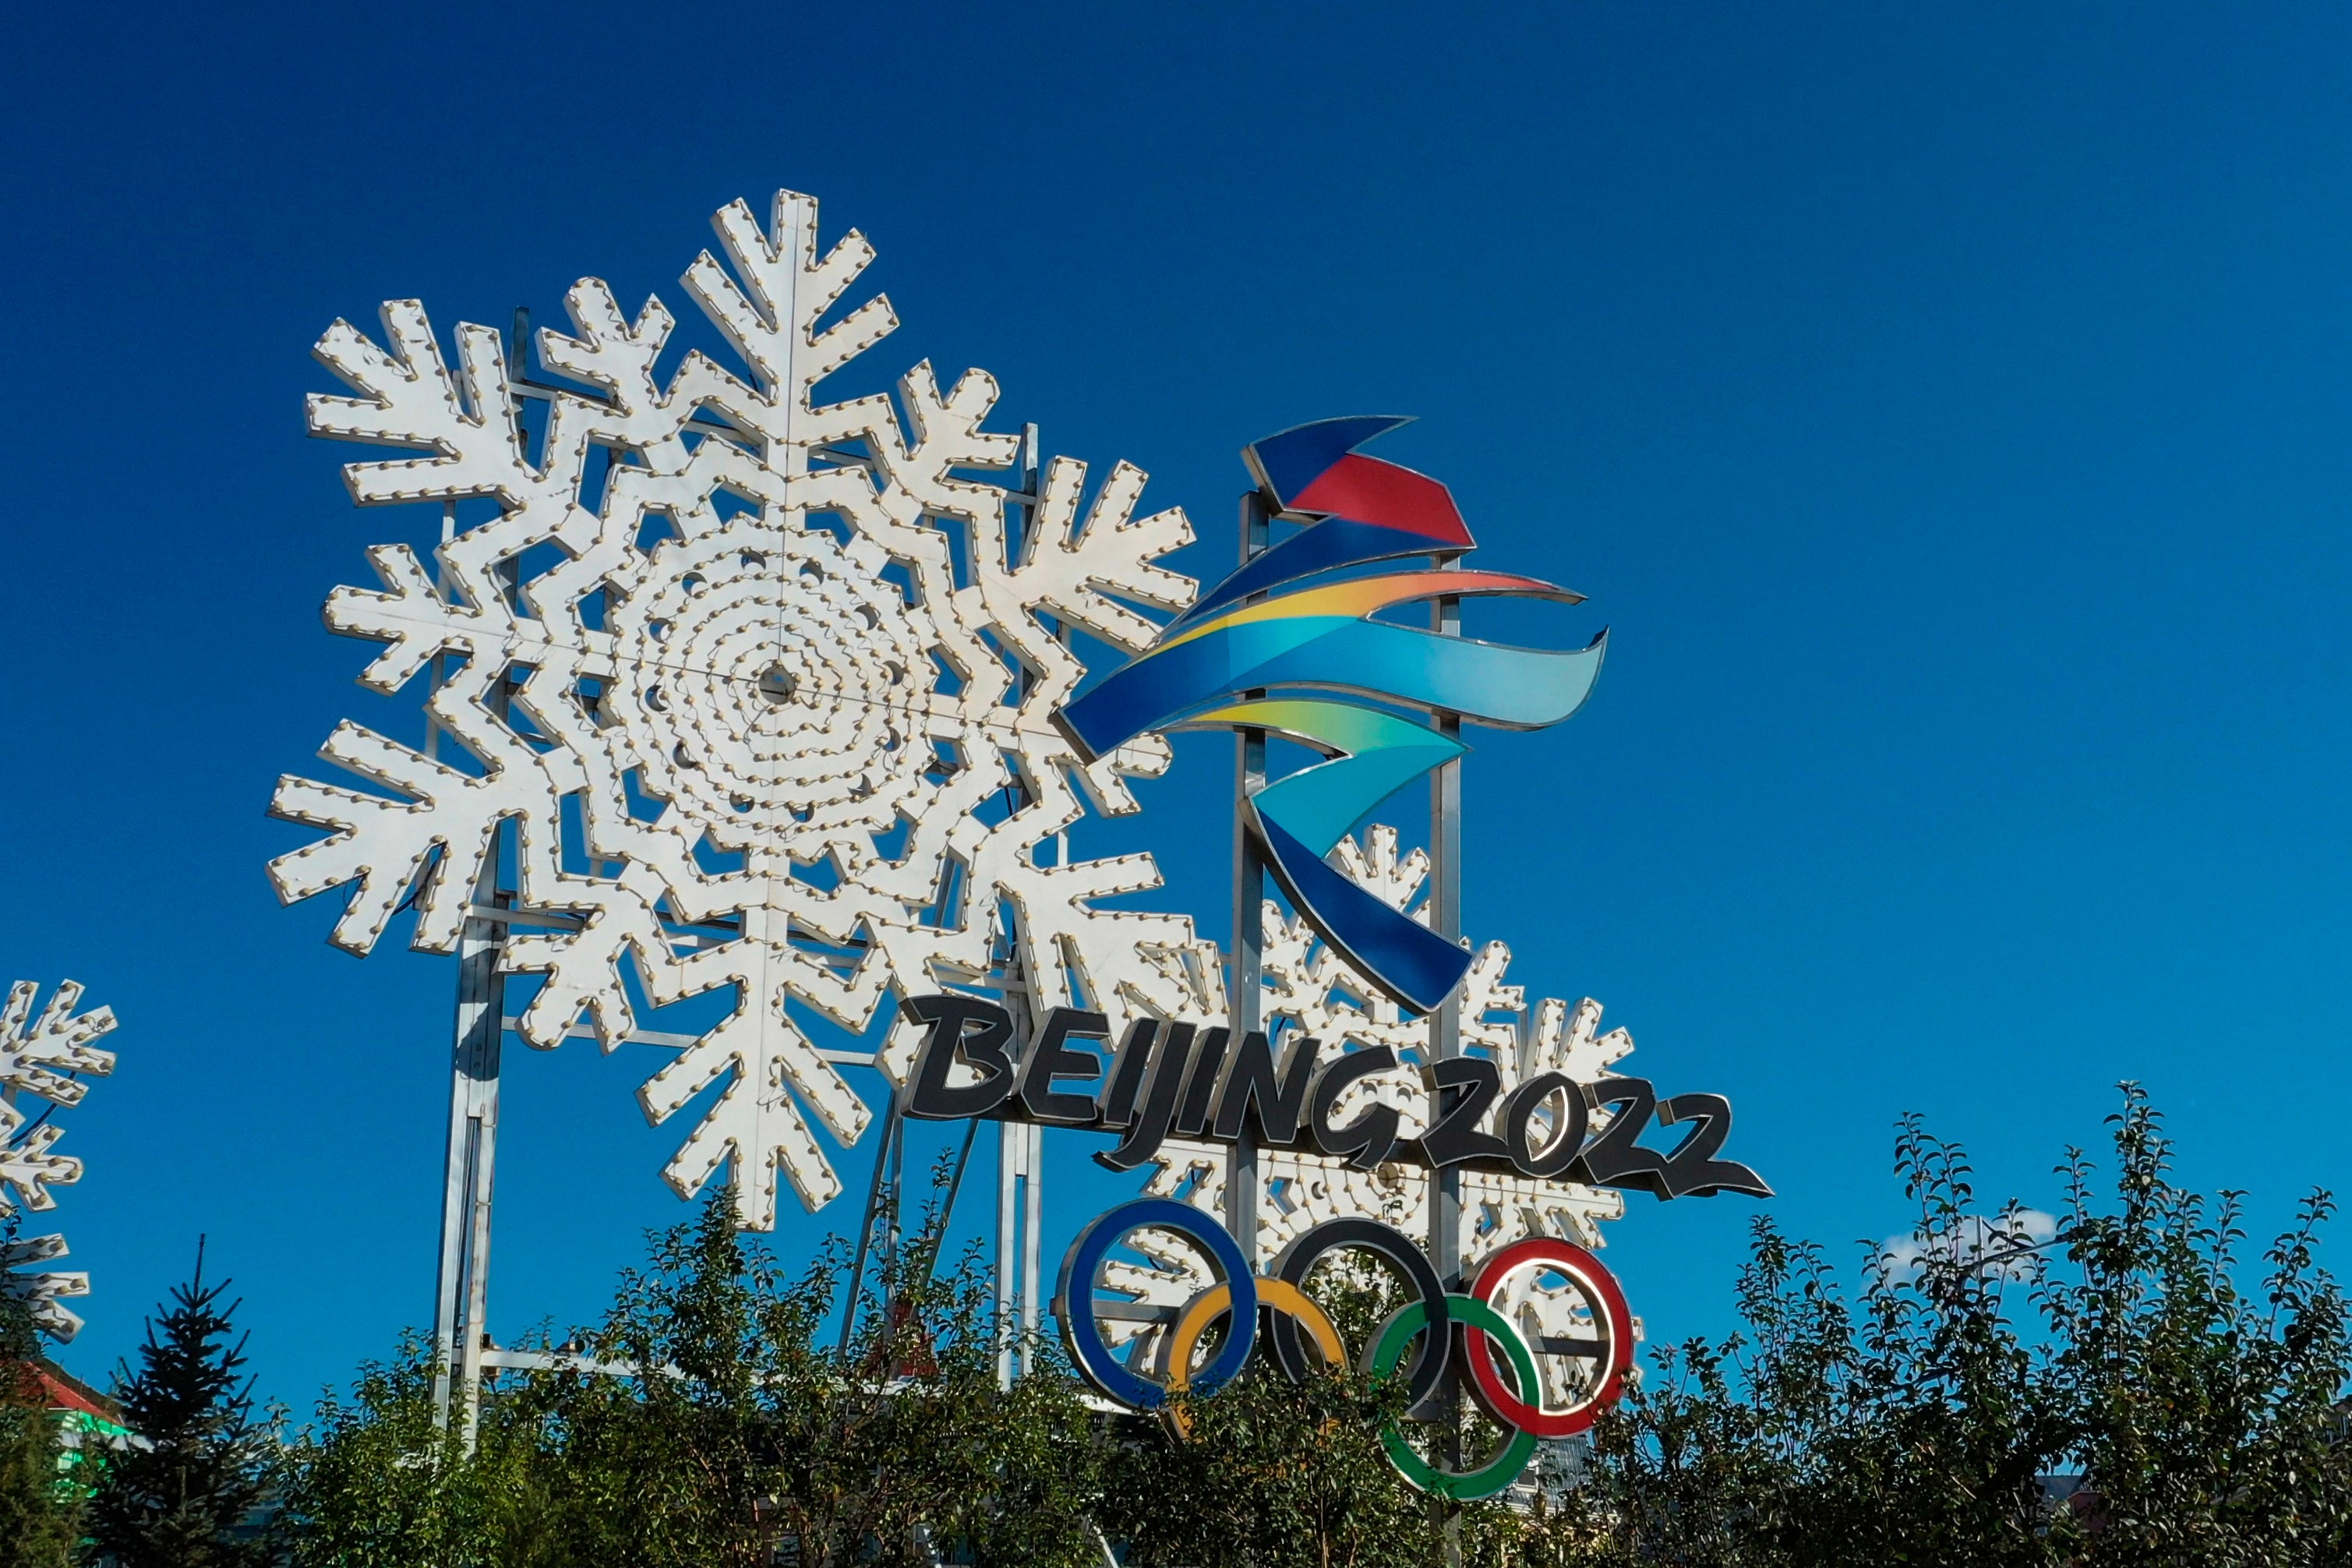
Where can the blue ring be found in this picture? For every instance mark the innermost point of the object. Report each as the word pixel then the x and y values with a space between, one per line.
pixel 1074 1299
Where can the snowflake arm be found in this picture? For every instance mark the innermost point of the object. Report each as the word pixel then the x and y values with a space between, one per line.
pixel 43 1290
pixel 41 1056
pixel 48 1056
pixel 796 745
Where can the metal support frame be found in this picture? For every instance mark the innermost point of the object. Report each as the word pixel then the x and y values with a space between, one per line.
pixel 889 1152
pixel 1020 1150
pixel 1020 1217
pixel 463 1285
pixel 1445 1024
pixel 470 1159
pixel 1243 995
pixel 1445 920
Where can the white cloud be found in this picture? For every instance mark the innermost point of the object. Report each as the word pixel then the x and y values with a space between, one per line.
pixel 2003 1247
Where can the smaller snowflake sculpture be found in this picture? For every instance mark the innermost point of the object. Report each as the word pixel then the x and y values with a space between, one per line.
pixel 45 1057
pixel 1310 991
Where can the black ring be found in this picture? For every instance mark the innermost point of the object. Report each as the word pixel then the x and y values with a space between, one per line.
pixel 1299 1258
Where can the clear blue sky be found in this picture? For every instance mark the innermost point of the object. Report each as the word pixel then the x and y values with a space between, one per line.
pixel 1947 407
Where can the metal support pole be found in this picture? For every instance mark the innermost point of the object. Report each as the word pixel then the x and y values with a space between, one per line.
pixel 469 1159
pixel 1032 1223
pixel 1032 480
pixel 881 1189
pixel 1019 1201
pixel 1445 920
pixel 1008 1212
pixel 1243 991
pixel 1020 1214
pixel 1445 1024
pixel 896 1179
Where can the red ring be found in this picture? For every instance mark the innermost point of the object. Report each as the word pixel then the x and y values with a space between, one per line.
pixel 1600 1287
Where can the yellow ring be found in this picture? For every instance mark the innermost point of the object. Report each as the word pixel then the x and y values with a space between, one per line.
pixel 1216 1301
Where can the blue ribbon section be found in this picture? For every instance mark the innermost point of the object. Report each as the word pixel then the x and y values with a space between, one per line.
pixel 1311 633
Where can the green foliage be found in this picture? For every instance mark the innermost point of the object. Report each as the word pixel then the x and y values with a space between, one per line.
pixel 2212 1422
pixel 1917 1420
pixel 1272 1474
pixel 185 1494
pixel 376 1485
pixel 1277 1475
pixel 1914 1425
pixel 739 1425
pixel 764 1428
pixel 40 1514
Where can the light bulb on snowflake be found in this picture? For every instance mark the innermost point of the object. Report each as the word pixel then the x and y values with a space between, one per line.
pixel 46 1056
pixel 779 728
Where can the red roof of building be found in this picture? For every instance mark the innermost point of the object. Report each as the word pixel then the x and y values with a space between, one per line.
pixel 59 1389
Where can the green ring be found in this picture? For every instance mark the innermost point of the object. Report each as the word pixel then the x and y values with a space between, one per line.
pixel 1498 1473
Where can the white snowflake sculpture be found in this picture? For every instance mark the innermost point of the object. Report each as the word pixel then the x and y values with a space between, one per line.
pixel 46 1057
pixel 1310 991
pixel 759 755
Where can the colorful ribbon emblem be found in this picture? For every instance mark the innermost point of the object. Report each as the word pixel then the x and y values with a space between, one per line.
pixel 1292 618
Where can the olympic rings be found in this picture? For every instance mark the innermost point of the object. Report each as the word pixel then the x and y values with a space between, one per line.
pixel 1277 1296
pixel 1299 1258
pixel 1502 1367
pixel 1610 1317
pixel 1073 1296
pixel 1217 1301
pixel 1498 1473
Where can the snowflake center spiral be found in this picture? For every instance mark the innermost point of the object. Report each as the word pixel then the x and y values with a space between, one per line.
pixel 782 691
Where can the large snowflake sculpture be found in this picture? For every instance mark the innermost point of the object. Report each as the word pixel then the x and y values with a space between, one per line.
pixel 45 1057
pixel 1309 991
pixel 770 715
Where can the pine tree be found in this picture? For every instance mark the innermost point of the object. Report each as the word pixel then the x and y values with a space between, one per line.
pixel 183 1494
pixel 37 1517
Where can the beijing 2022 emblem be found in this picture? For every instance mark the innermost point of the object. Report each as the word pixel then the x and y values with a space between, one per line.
pixel 1288 645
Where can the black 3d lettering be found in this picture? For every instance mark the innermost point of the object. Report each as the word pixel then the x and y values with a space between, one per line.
pixel 1692 1168
pixel 1254 1090
pixel 1051 1058
pixel 1201 1088
pixel 1370 1138
pixel 1150 1128
pixel 1614 1159
pixel 1169 1079
pixel 1461 1089
pixel 967 1030
pixel 1557 1155
pixel 1127 1072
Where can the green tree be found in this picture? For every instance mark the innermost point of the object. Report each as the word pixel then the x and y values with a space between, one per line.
pixel 186 1492
pixel 1274 1475
pixel 728 1420
pixel 1918 1419
pixel 893 1447
pixel 2211 1422
pixel 1918 1424
pixel 1280 1475
pixel 39 1515
pixel 374 1484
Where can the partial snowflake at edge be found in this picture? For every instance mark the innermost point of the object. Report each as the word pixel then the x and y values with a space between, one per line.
pixel 44 1057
